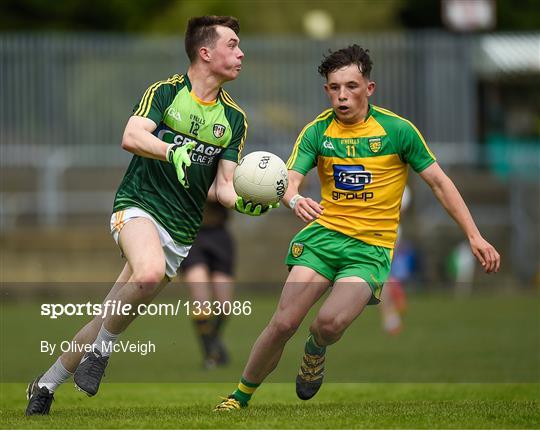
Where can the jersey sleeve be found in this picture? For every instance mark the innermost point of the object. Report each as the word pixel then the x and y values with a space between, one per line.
pixel 304 155
pixel 155 100
pixel 414 149
pixel 233 152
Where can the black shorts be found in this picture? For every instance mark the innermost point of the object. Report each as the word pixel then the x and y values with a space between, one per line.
pixel 213 247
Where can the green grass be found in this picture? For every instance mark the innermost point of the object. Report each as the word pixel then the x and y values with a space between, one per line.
pixel 345 406
pixel 484 352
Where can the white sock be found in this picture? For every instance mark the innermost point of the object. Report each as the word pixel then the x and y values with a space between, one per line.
pixel 56 375
pixel 104 341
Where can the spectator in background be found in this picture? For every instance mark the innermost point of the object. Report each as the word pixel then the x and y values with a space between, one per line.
pixel 209 271
pixel 393 299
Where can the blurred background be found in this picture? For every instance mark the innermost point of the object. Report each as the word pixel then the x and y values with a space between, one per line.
pixel 466 73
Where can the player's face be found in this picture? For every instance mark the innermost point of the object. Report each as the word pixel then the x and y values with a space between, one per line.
pixel 226 56
pixel 348 91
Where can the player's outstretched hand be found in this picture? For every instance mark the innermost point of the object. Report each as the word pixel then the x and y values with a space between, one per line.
pixel 486 254
pixel 307 209
pixel 180 157
pixel 252 209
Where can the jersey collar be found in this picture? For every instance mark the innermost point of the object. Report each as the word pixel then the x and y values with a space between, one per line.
pixel 369 112
pixel 352 126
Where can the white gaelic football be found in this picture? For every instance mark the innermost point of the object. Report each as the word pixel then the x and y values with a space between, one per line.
pixel 261 177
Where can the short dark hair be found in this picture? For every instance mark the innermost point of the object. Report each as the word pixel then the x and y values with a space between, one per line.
pixel 201 31
pixel 353 54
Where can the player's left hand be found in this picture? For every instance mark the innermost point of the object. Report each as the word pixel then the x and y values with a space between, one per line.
pixel 180 157
pixel 252 209
pixel 486 254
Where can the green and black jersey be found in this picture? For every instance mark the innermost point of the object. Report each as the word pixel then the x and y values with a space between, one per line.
pixel 218 129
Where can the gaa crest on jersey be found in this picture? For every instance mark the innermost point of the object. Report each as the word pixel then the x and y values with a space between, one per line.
pixel 219 130
pixel 327 144
pixel 375 144
pixel 297 249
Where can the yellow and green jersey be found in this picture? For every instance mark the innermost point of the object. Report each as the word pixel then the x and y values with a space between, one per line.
pixel 218 130
pixel 363 170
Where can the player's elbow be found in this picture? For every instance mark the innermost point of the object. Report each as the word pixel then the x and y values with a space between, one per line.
pixel 442 186
pixel 128 141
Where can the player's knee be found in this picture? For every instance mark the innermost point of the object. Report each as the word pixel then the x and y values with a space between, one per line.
pixel 328 328
pixel 149 277
pixel 284 327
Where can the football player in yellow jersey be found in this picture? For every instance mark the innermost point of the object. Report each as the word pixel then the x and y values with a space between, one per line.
pixel 361 153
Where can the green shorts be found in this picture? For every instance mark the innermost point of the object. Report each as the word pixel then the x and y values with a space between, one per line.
pixel 335 255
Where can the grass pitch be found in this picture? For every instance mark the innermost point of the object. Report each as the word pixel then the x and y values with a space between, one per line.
pixel 275 406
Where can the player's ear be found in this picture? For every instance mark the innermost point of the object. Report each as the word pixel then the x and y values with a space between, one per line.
pixel 370 88
pixel 327 89
pixel 204 54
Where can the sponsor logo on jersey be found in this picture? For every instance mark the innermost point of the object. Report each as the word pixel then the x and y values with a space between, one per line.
pixel 219 130
pixel 362 196
pixel 171 137
pixel 297 249
pixel 375 144
pixel 202 154
pixel 328 145
pixel 351 177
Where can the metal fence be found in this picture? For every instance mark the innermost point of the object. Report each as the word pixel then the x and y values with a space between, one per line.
pixel 69 91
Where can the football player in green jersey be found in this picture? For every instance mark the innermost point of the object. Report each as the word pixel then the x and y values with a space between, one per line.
pixel 186 134
pixel 361 152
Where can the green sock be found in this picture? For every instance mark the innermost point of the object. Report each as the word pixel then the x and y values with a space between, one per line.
pixel 244 391
pixel 312 347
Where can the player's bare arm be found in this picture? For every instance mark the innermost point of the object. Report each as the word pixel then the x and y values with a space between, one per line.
pixel 222 189
pixel 305 208
pixel 446 192
pixel 138 139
